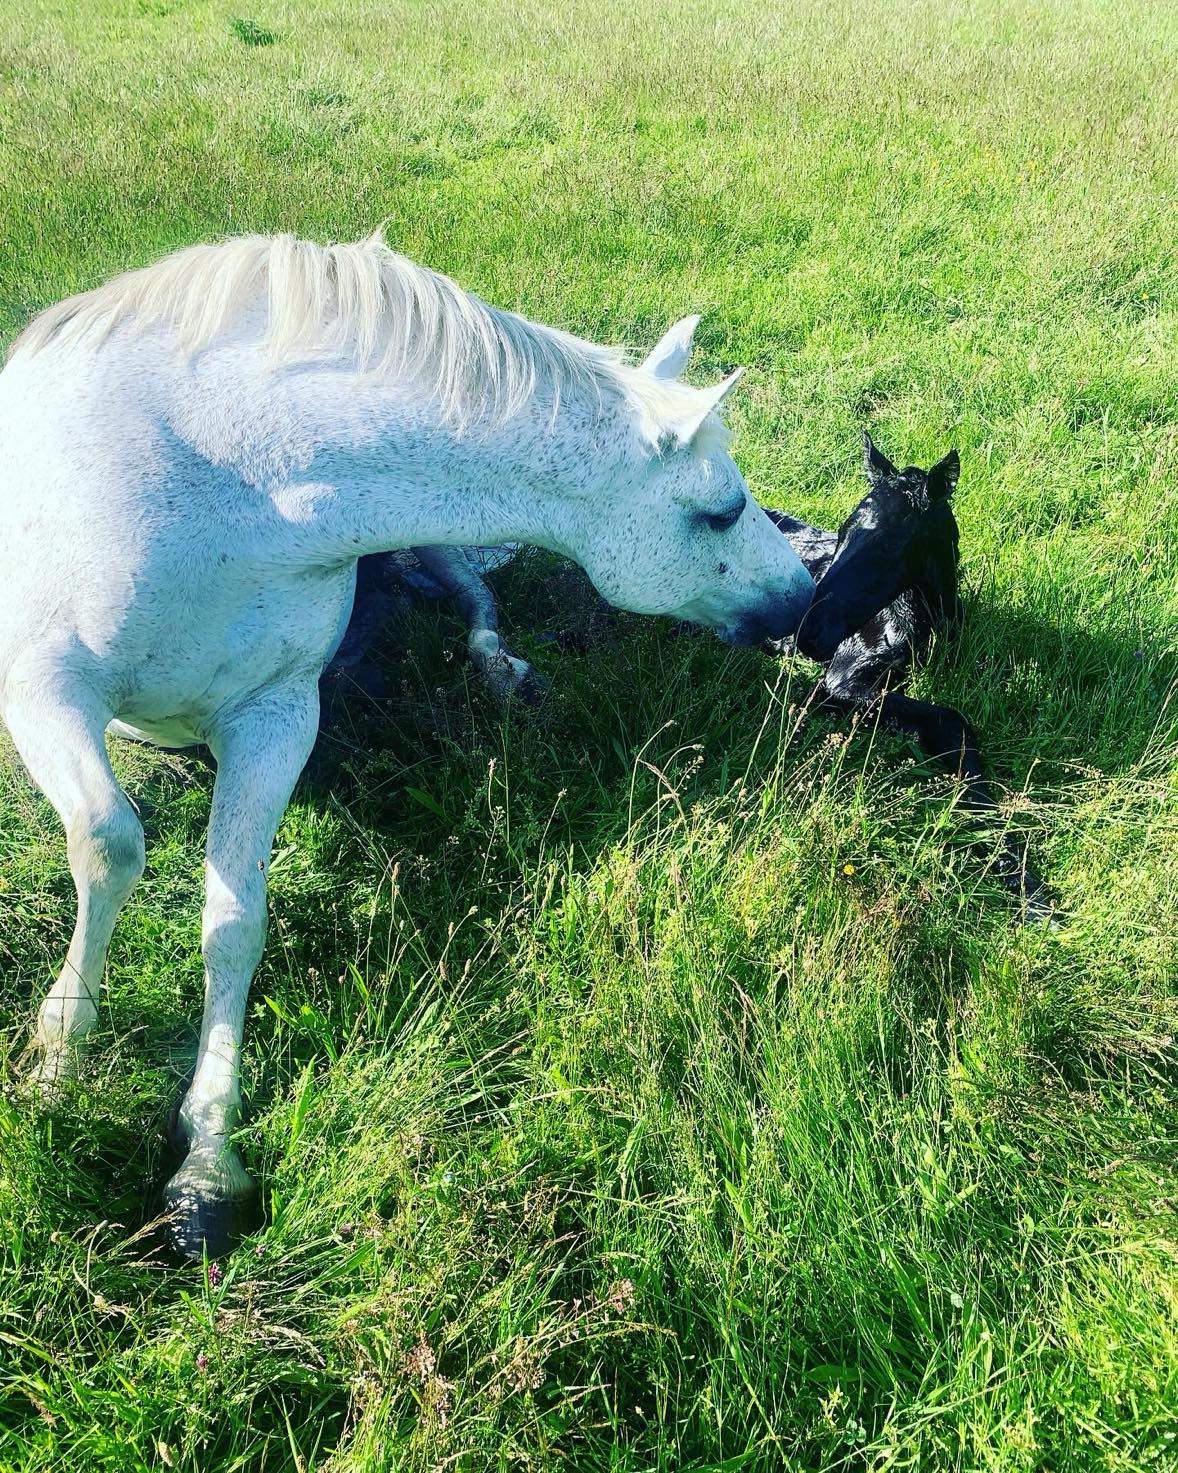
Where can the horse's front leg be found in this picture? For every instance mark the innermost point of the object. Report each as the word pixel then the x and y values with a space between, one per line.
pixel 946 736
pixel 260 750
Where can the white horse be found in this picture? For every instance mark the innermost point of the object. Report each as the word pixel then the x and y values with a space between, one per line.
pixel 192 459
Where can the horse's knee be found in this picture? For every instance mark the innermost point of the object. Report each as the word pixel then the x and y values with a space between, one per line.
pixel 234 927
pixel 106 850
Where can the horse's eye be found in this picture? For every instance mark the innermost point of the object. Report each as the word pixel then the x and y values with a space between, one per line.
pixel 720 521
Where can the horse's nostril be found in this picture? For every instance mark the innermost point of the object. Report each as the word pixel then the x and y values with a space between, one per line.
pixel 785 617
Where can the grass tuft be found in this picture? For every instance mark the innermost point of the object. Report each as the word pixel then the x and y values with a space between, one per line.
pixel 250 33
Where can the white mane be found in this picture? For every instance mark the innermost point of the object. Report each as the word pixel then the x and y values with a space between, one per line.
pixel 364 300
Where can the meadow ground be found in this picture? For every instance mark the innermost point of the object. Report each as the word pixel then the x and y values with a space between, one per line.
pixel 660 1083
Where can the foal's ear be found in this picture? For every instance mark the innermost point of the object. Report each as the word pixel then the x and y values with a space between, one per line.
pixel 704 402
pixel 942 479
pixel 669 356
pixel 875 462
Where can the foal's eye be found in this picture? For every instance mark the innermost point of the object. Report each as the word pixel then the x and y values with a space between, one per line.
pixel 720 521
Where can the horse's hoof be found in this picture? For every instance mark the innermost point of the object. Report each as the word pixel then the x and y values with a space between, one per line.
pixel 48 1080
pixel 514 682
pixel 205 1219
pixel 1036 903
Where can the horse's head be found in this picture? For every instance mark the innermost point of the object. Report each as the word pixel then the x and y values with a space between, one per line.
pixel 901 535
pixel 678 532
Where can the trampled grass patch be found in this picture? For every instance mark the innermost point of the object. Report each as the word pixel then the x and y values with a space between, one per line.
pixel 660 1082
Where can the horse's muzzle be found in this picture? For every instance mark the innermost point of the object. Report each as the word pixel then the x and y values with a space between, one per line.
pixel 821 631
pixel 816 645
pixel 773 621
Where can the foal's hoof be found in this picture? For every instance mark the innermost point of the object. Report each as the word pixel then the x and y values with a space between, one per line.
pixel 1039 908
pixel 1035 901
pixel 532 688
pixel 209 1216
pixel 514 682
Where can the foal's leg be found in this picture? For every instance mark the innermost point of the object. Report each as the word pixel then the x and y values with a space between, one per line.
pixel 260 750
pixel 504 673
pixel 61 742
pixel 946 736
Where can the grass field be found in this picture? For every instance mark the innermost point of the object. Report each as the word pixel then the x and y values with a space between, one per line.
pixel 660 1082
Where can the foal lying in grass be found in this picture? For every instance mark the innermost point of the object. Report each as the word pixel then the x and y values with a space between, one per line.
pixel 886 581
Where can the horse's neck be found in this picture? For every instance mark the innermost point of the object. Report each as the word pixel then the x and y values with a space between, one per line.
pixel 368 467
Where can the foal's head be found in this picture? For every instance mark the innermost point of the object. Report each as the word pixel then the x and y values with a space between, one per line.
pixel 901 536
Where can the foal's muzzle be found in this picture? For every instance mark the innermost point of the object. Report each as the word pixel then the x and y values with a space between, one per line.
pixel 820 633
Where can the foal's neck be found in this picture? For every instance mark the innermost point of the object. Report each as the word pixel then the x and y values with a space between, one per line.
pixel 936 581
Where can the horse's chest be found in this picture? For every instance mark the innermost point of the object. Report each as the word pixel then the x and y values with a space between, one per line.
pixel 240 638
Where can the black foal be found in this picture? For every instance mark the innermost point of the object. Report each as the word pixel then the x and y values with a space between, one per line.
pixel 885 581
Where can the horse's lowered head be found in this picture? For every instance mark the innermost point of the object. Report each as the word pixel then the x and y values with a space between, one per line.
pixel 901 536
pixel 680 534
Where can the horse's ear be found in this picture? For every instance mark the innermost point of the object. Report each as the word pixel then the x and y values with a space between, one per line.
pixel 704 402
pixel 875 462
pixel 942 479
pixel 669 357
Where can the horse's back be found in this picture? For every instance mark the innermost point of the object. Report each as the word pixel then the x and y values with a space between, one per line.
pixel 815 546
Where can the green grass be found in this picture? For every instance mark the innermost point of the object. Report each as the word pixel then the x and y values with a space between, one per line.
pixel 604 1121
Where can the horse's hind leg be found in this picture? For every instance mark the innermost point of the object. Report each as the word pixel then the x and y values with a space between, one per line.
pixel 505 674
pixel 61 742
pixel 260 750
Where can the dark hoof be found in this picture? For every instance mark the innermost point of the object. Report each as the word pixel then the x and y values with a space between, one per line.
pixel 202 1223
pixel 1039 907
pixel 1035 901
pixel 532 689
